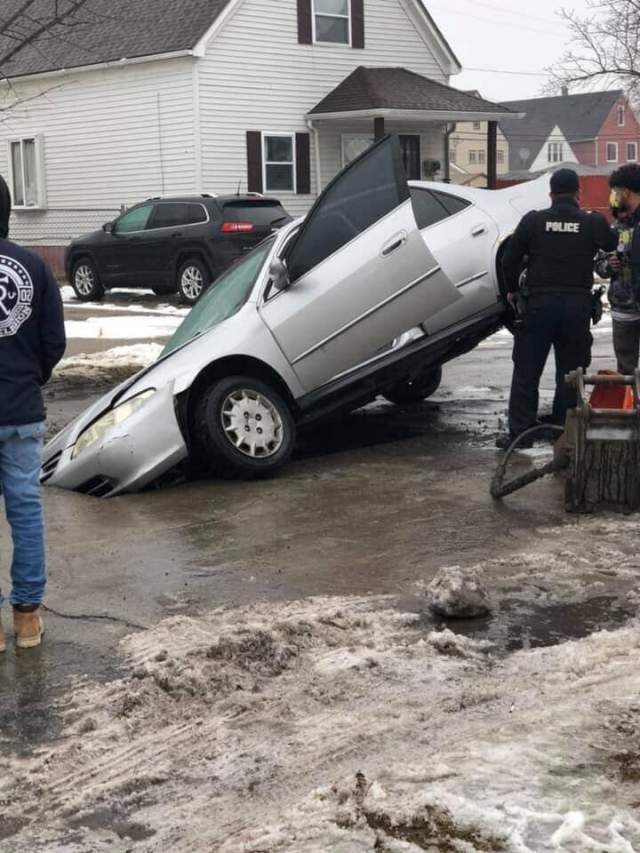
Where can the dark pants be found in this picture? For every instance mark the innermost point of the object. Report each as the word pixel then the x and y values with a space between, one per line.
pixel 561 321
pixel 626 342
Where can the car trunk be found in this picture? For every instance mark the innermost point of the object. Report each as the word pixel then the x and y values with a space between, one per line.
pixel 253 219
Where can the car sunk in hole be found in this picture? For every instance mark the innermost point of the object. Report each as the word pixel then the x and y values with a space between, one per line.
pixel 379 286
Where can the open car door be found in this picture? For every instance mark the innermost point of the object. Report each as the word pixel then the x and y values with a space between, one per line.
pixel 360 272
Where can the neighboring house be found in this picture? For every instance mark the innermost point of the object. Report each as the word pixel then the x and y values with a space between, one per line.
pixel 595 129
pixel 214 96
pixel 469 152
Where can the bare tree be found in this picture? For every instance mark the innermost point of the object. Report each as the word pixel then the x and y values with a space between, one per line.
pixel 36 26
pixel 605 47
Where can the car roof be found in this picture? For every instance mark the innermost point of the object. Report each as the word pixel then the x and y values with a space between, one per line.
pixel 204 198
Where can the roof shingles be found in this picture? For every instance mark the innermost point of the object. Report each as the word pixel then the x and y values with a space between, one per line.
pixel 103 32
pixel 399 89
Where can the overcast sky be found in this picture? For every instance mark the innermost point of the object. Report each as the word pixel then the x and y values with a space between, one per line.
pixel 507 35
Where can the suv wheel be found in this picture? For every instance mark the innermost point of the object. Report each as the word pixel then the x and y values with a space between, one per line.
pixel 193 280
pixel 243 428
pixel 85 281
pixel 415 390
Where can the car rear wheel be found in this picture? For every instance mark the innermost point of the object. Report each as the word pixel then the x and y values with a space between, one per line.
pixel 85 281
pixel 193 280
pixel 415 390
pixel 243 428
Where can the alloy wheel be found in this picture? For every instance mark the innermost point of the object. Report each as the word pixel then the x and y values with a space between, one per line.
pixel 192 283
pixel 252 424
pixel 84 280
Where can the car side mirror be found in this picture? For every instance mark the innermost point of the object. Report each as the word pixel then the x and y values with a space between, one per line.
pixel 279 274
pixel 108 227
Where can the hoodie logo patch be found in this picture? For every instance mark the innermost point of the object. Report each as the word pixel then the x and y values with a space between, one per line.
pixel 16 296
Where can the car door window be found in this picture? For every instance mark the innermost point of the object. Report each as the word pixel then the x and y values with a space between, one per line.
pixel 169 215
pixel 431 206
pixel 453 203
pixel 371 187
pixel 426 207
pixel 135 219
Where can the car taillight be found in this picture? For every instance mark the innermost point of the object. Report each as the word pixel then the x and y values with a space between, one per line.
pixel 237 227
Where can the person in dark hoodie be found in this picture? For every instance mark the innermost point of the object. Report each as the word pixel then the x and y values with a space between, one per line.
pixel 32 342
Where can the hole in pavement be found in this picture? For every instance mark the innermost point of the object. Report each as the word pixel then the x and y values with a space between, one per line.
pixel 525 626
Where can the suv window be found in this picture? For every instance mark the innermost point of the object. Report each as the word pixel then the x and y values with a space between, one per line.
pixel 431 206
pixel 135 219
pixel 264 214
pixel 168 215
pixel 367 191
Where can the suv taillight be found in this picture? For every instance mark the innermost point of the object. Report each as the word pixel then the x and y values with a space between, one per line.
pixel 237 227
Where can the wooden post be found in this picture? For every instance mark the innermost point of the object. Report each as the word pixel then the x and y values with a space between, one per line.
pixel 492 155
pixel 378 128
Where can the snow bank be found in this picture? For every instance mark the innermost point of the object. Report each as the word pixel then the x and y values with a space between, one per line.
pixel 336 726
pixel 134 357
pixel 122 328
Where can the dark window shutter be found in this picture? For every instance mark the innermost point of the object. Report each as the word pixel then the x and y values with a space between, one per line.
pixel 254 161
pixel 305 27
pixel 303 163
pixel 357 23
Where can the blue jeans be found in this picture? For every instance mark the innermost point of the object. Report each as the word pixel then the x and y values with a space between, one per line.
pixel 20 461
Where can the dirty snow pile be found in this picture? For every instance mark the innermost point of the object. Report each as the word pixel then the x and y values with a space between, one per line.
pixel 337 726
pixel 458 594
pixel 102 370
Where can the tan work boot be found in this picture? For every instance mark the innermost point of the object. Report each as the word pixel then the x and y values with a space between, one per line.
pixel 28 629
pixel 3 642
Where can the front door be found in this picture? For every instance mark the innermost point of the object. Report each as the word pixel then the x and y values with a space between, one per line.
pixel 361 273
pixel 411 160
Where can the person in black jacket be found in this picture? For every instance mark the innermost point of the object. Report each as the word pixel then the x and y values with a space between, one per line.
pixel 560 245
pixel 32 341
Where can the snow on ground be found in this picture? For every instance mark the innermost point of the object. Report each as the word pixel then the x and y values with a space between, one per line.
pixel 340 725
pixel 134 357
pixel 122 328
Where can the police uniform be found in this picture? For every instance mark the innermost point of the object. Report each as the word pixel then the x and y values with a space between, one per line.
pixel 560 245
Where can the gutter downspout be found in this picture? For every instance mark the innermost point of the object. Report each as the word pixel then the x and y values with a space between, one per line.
pixel 316 144
pixel 450 129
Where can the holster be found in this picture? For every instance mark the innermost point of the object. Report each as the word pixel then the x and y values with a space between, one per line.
pixel 596 305
pixel 520 308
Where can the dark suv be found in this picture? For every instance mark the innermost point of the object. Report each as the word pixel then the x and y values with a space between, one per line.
pixel 171 244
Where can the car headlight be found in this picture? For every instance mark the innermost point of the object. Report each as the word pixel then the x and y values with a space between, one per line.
pixel 113 418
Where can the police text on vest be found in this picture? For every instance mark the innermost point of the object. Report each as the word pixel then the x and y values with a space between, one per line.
pixel 564 227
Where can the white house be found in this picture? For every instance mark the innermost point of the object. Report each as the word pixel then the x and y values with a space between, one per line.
pixel 160 97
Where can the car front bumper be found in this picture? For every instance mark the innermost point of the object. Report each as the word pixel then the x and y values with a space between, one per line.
pixel 127 458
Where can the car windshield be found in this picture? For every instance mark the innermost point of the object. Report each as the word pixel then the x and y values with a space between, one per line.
pixel 224 299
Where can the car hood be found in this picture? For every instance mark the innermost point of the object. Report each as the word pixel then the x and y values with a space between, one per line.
pixel 243 335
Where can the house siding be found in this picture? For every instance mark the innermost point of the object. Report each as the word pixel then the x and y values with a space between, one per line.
pixel 585 152
pixel 278 81
pixel 610 132
pixel 111 137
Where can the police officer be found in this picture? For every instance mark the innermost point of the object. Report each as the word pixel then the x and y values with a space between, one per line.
pixel 560 244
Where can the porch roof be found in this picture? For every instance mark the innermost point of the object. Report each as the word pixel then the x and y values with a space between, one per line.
pixel 403 94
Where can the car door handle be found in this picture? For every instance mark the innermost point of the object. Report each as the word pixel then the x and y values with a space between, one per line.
pixel 478 230
pixel 394 244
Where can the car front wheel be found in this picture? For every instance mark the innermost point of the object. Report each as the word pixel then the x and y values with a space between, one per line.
pixel 85 281
pixel 415 390
pixel 193 280
pixel 243 428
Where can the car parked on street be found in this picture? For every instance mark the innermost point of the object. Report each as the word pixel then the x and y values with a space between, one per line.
pixel 372 293
pixel 171 244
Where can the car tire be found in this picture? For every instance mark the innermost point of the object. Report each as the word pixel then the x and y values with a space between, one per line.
pixel 223 408
pixel 415 390
pixel 192 281
pixel 85 281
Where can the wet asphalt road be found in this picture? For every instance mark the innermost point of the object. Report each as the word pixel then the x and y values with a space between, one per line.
pixel 373 503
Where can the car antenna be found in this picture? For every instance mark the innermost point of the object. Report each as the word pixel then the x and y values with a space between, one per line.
pixel 239 185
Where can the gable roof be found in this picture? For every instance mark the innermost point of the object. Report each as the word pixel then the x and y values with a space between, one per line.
pixel 105 32
pixel 112 30
pixel 370 89
pixel 579 117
